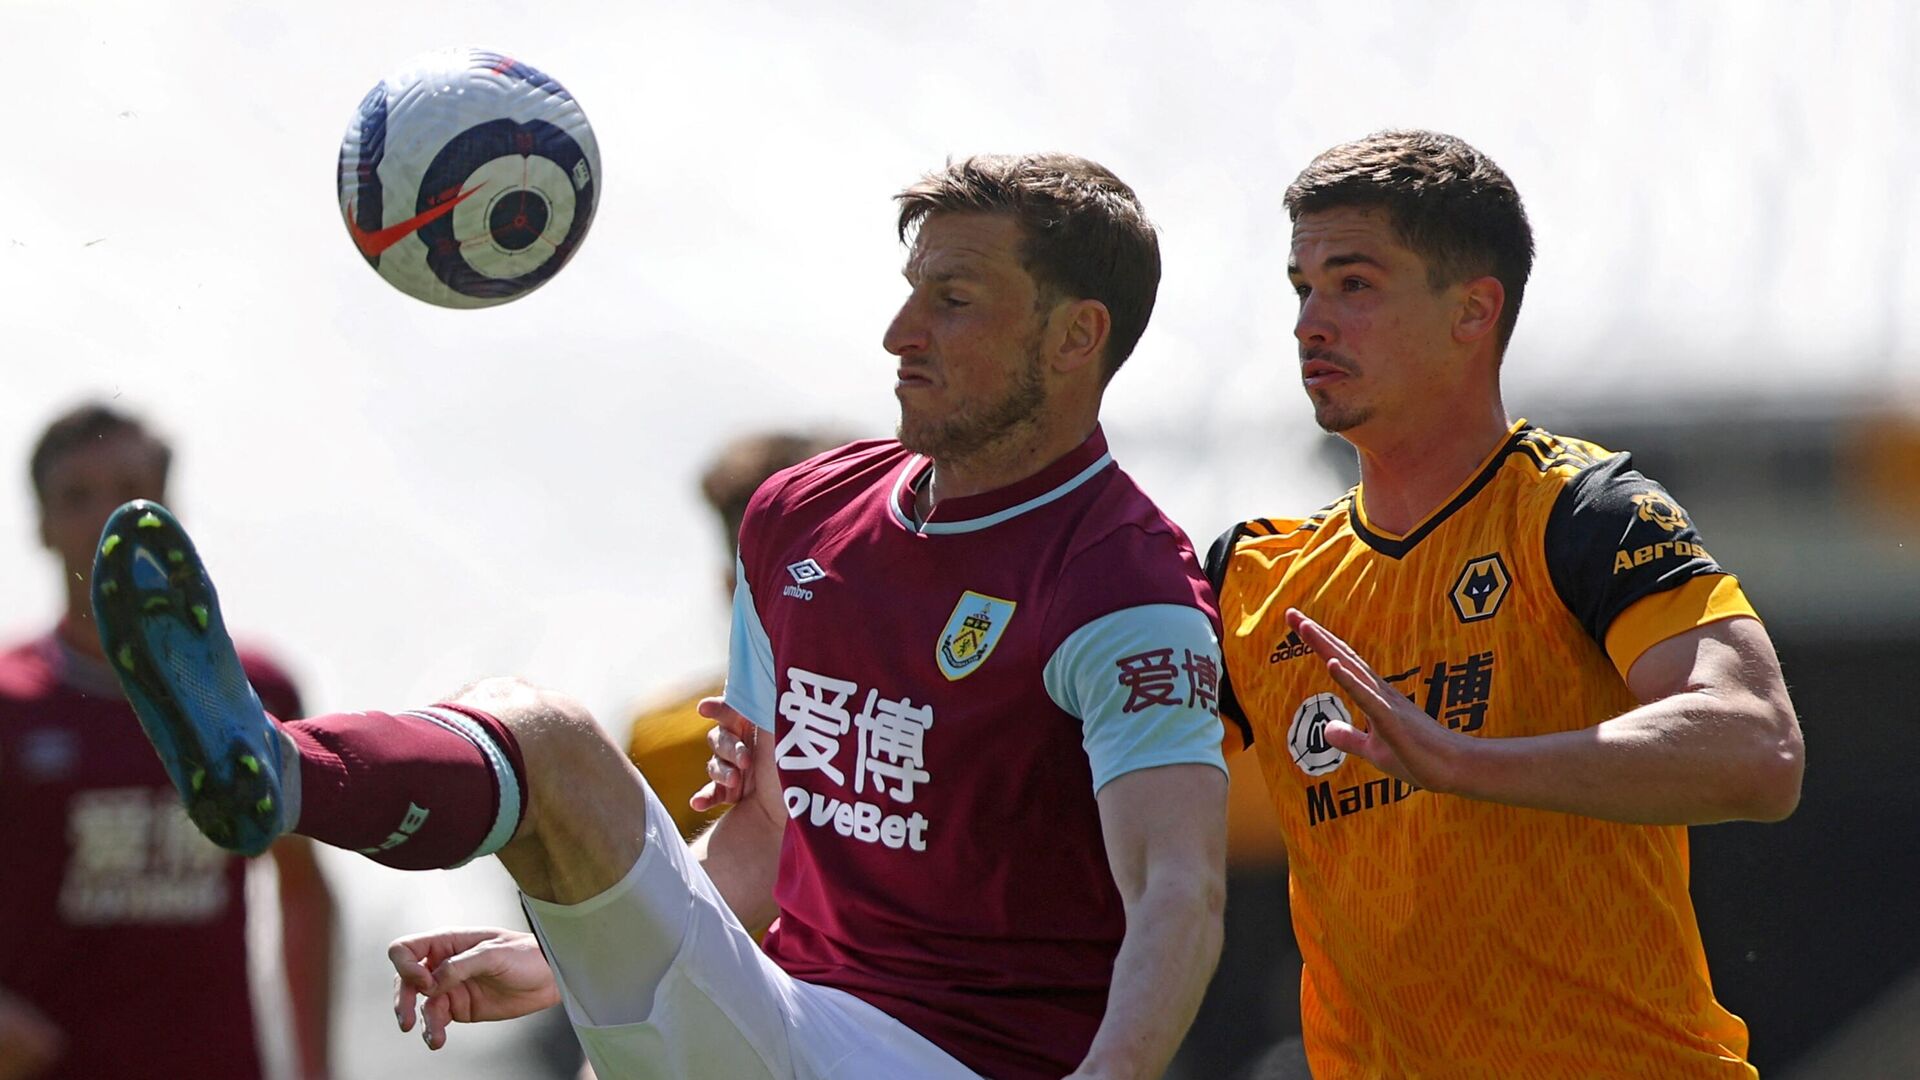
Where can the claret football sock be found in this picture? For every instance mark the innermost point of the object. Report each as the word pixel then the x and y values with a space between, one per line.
pixel 426 788
pixel 417 790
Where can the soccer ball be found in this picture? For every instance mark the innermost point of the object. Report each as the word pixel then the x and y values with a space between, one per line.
pixel 467 178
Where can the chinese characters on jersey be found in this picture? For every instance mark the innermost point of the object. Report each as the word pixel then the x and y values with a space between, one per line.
pixel 1456 694
pixel 138 859
pixel 1154 678
pixel 889 758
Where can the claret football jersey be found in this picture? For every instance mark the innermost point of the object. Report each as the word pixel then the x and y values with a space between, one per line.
pixel 118 920
pixel 1444 936
pixel 947 696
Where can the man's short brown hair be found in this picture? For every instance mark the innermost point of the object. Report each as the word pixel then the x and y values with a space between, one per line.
pixel 745 463
pixel 1085 235
pixel 84 425
pixel 1449 203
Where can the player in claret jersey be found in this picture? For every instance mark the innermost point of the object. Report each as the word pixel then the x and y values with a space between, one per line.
pixel 1540 677
pixel 111 900
pixel 986 669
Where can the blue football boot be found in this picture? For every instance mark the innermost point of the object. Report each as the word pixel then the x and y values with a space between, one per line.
pixel 160 622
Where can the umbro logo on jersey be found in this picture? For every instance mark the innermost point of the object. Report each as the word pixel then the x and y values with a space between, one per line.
pixel 1292 648
pixel 804 572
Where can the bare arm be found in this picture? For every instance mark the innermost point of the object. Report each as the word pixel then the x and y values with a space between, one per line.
pixel 307 941
pixel 1714 739
pixel 741 852
pixel 1166 837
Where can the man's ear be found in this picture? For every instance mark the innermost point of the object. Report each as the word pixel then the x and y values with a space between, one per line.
pixel 1083 328
pixel 1482 301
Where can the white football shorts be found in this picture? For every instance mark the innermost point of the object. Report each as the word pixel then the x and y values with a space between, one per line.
pixel 661 982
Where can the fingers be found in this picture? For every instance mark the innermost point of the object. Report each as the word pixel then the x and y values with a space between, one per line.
pixel 410 979
pixel 708 797
pixel 1323 641
pixel 437 1015
pixel 705 799
pixel 403 999
pixel 1348 739
pixel 1364 687
pixel 722 790
pixel 732 745
pixel 729 748
pixel 729 718
pixel 421 965
pixel 724 780
pixel 413 979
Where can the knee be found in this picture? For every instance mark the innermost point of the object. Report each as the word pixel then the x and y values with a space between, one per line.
pixel 538 717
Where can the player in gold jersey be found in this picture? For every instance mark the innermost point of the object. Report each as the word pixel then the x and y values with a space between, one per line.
pixel 1540 675
pixel 668 739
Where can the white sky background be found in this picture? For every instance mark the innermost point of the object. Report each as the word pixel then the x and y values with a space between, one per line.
pixel 399 498
pixel 402 497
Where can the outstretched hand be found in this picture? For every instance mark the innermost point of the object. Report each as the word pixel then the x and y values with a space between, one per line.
pixel 468 975
pixel 729 775
pixel 1399 740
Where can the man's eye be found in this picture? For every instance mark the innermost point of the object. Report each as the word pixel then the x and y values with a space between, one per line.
pixel 1300 291
pixel 956 302
pixel 1354 284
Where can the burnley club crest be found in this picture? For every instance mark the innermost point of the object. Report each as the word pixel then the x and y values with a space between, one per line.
pixel 972 630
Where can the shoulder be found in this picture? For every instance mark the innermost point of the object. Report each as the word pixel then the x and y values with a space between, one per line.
pixel 800 497
pixel 1613 536
pixel 1557 456
pixel 1591 490
pixel 1124 552
pixel 1259 543
pixel 855 464
pixel 1600 495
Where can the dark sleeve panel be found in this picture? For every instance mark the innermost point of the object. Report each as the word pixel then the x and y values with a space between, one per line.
pixel 1216 569
pixel 1615 536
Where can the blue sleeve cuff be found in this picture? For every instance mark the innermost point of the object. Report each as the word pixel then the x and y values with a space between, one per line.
pixel 752 687
pixel 1144 683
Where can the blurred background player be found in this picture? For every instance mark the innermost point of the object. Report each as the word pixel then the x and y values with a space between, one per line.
pixel 668 740
pixel 124 943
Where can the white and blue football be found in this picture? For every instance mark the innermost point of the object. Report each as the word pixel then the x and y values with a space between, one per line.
pixel 468 178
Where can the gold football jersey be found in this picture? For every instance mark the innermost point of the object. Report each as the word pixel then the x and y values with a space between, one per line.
pixel 1446 937
pixel 668 743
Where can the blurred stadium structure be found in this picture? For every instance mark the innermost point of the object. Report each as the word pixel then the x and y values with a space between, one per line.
pixel 1816 504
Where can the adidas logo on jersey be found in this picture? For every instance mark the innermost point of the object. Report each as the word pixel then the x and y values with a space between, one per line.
pixel 1290 649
